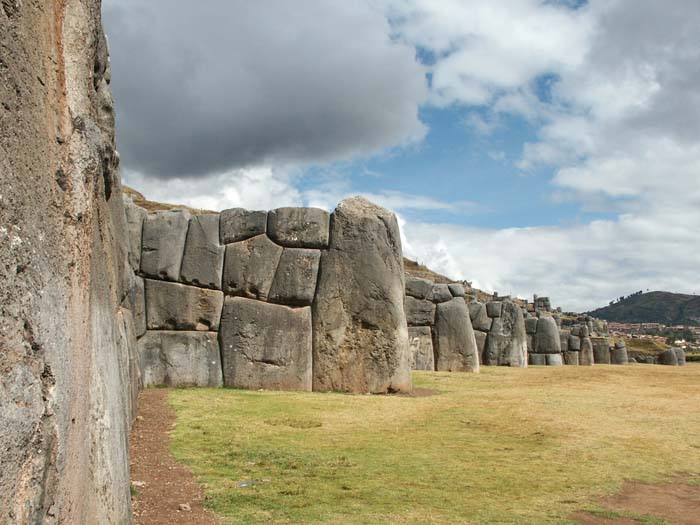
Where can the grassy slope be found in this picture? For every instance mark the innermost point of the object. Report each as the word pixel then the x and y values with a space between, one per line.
pixel 504 446
pixel 654 307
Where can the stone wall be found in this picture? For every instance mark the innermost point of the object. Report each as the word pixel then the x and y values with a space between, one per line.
pixel 291 299
pixel 68 373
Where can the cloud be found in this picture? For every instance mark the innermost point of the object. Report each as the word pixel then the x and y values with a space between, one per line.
pixel 214 86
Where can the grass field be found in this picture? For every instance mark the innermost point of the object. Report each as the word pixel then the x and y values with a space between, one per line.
pixel 504 446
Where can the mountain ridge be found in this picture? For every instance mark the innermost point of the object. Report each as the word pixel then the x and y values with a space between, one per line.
pixel 653 307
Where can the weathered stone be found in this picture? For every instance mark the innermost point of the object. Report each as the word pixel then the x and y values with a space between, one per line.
pixel 571 358
pixel 538 359
pixel 265 345
pixel 180 359
pixel 506 344
pixel 419 288
pixel 618 354
pixel 530 343
pixel 299 227
pixel 421 343
pixel 456 289
pixel 586 357
pixel 419 312
pixel 574 343
pixel 135 302
pixel 564 340
pixel 554 360
pixel 295 278
pixel 531 325
pixel 480 320
pixel 163 244
pixel 480 341
pixel 174 306
pixel 250 267
pixel 454 342
pixel 441 293
pixel 360 334
pixel 668 357
pixel 237 224
pixel 493 308
pixel 601 350
pixel 584 331
pixel 135 216
pixel 680 356
pixel 203 259
pixel 547 337
pixel 576 330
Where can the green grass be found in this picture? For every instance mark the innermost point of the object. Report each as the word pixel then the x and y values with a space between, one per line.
pixel 504 446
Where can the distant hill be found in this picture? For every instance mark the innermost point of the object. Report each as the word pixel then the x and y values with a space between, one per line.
pixel 653 307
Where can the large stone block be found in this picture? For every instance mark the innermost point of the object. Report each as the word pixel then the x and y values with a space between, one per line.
pixel 480 341
pixel 554 360
pixel 456 289
pixel 174 306
pixel 421 343
pixel 237 224
pixel 586 357
pixel 163 244
pixel 601 350
pixel 680 356
pixel 419 288
pixel 419 312
pixel 441 293
pixel 299 227
pixel 547 337
pixel 203 259
pixel 564 340
pixel 265 345
pixel 180 359
pixel 454 342
pixel 571 358
pixel 493 308
pixel 506 344
pixel 480 320
pixel 250 267
pixel 135 302
pixel 360 333
pixel 531 325
pixel 618 354
pixel 538 359
pixel 669 357
pixel 295 278
pixel 135 216
pixel 574 343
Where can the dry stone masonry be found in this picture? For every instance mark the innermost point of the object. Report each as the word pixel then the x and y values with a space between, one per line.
pixel 293 299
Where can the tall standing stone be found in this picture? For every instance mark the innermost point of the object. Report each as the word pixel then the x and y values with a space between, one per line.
pixel 506 344
pixel 421 344
pixel 586 357
pixel 618 354
pixel 359 325
pixel 454 342
pixel 163 244
pixel 601 350
pixel 203 260
pixel 547 337
pixel 135 216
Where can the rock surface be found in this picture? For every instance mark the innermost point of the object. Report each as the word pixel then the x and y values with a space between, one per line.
pixel 480 319
pixel 359 325
pixel 174 306
pixel 421 345
pixel 237 224
pixel 163 244
pixel 419 288
pixel 203 259
pixel 506 344
pixel 295 278
pixel 419 312
pixel 250 267
pixel 135 216
pixel 441 293
pixel 547 337
pixel 601 351
pixel 265 345
pixel 299 227
pixel 180 359
pixel 454 342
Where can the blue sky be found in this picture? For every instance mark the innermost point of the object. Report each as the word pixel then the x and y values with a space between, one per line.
pixel 528 146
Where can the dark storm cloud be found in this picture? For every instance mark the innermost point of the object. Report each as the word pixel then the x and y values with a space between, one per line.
pixel 202 87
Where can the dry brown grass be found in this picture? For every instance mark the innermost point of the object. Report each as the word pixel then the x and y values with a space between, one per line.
pixel 152 206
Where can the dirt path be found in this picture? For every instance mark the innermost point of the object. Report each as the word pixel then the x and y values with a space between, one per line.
pixel 164 489
pixel 677 503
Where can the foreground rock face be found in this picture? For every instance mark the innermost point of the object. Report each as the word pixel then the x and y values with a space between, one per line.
pixel 66 347
pixel 359 326
pixel 265 345
pixel 173 306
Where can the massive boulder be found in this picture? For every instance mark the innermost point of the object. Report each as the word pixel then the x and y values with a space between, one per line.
pixel 419 312
pixel 601 350
pixel 173 306
pixel 441 293
pixel 295 278
pixel 506 344
pixel 419 288
pixel 250 267
pixel 586 357
pixel 668 357
pixel 618 354
pixel 203 260
pixel 479 317
pixel 680 356
pixel 237 224
pixel 299 227
pixel 180 359
pixel 547 337
pixel 135 302
pixel 135 215
pixel 454 343
pixel 421 345
pixel 359 324
pixel 265 345
pixel 163 244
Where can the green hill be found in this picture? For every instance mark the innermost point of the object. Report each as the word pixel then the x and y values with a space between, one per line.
pixel 653 307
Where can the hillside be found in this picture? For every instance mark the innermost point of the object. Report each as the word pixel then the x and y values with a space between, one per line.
pixel 653 307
